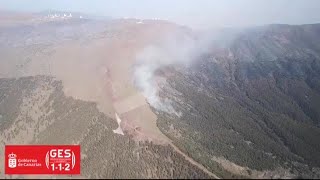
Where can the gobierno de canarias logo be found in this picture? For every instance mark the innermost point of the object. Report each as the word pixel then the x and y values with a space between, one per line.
pixel 12 162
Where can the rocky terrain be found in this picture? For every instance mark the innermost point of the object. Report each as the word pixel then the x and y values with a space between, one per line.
pixel 152 99
pixel 34 110
pixel 68 82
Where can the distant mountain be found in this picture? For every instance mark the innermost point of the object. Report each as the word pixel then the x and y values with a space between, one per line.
pixel 54 14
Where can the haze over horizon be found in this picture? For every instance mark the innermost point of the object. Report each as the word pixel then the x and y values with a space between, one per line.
pixel 200 14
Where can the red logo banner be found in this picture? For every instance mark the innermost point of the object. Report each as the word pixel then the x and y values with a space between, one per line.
pixel 42 159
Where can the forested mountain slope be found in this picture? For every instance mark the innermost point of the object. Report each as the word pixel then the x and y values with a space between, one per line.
pixel 254 104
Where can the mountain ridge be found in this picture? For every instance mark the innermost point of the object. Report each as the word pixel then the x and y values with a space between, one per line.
pixel 245 108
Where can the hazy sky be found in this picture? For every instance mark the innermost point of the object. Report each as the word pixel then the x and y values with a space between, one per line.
pixel 204 13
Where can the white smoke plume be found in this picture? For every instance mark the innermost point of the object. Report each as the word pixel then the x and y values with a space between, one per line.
pixel 175 49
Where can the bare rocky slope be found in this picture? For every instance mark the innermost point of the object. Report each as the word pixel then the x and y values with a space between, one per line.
pixel 63 82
